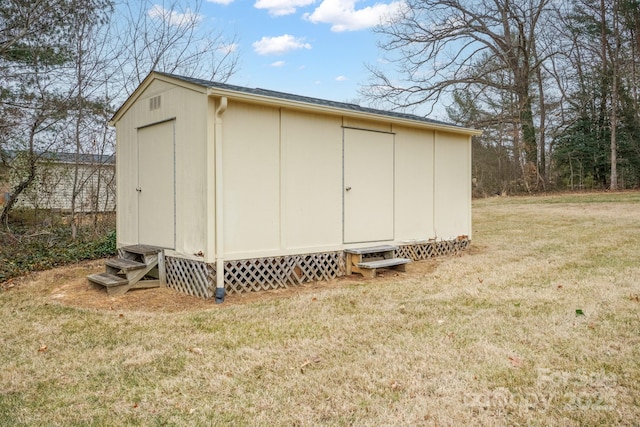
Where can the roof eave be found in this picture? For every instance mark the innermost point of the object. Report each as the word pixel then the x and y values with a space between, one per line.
pixel 305 106
pixel 272 100
pixel 144 85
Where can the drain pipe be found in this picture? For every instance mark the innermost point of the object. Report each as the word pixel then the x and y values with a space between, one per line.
pixel 219 202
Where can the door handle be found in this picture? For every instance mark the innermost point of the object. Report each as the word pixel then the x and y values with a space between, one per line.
pixel 348 189
pixel 139 190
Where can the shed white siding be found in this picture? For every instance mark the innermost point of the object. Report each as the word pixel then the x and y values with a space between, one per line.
pixel 283 172
pixel 188 108
pixel 452 186
pixel 312 180
pixel 414 186
pixel 251 149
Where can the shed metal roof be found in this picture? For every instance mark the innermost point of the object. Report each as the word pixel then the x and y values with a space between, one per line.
pixel 72 158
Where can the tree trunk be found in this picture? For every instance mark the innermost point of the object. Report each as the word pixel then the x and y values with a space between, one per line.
pixel 542 159
pixel 615 63
pixel 18 189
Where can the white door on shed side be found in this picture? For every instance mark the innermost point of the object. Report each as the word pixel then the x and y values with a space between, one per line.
pixel 369 186
pixel 156 185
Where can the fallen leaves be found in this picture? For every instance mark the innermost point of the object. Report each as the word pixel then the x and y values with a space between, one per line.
pixel 196 350
pixel 7 285
pixel 516 362
pixel 309 361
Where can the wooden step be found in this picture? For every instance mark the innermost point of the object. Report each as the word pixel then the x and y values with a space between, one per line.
pixel 384 263
pixel 368 268
pixel 125 264
pixel 371 250
pixel 142 249
pixel 357 257
pixel 107 280
pixel 140 265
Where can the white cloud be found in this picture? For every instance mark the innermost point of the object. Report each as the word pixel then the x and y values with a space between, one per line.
pixel 278 64
pixel 174 18
pixel 341 79
pixel 343 16
pixel 279 45
pixel 282 7
pixel 222 2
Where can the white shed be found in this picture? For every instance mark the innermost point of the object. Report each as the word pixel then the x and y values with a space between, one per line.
pixel 249 189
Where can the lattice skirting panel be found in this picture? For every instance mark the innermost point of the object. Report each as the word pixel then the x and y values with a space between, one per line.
pixel 191 277
pixel 258 274
pixel 426 250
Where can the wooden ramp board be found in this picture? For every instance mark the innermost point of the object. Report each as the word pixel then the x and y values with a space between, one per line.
pixel 125 264
pixel 142 249
pixel 384 263
pixel 371 250
pixel 107 280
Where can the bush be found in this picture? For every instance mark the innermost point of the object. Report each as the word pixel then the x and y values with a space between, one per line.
pixel 27 249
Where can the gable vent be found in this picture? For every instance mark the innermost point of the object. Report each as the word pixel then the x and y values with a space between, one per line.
pixel 154 103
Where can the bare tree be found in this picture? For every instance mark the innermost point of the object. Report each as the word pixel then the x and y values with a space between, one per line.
pixel 91 66
pixel 486 46
pixel 42 114
pixel 35 100
pixel 596 74
pixel 169 36
pixel 65 64
pixel 612 50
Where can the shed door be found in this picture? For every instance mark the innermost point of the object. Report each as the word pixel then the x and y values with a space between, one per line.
pixel 156 185
pixel 368 186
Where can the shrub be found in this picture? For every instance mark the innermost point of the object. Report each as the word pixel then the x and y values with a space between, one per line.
pixel 28 249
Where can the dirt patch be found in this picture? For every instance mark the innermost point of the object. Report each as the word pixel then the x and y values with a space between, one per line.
pixel 68 286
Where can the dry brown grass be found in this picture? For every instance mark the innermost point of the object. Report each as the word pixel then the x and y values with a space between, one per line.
pixel 537 324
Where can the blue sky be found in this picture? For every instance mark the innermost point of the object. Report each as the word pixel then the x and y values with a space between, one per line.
pixel 316 48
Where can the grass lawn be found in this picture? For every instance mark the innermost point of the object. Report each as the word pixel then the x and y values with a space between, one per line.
pixel 538 323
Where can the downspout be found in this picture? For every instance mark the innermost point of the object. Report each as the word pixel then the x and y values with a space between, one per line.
pixel 219 202
pixel 470 191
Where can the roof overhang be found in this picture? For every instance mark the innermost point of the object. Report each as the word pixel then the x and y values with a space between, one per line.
pixel 266 100
pixel 309 107
pixel 151 77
